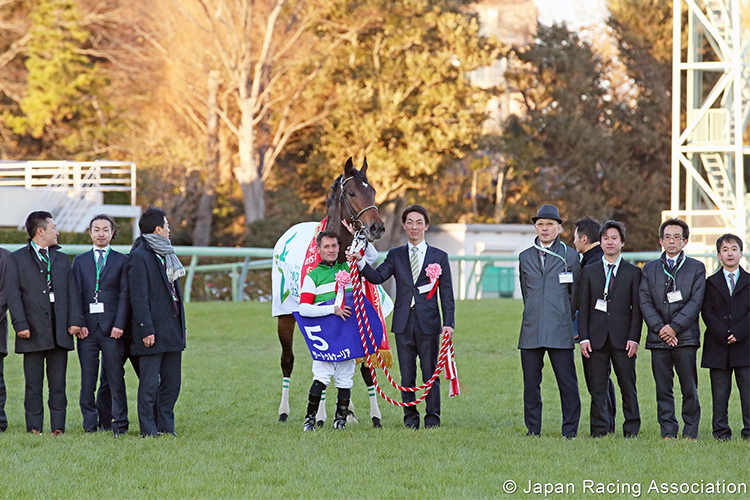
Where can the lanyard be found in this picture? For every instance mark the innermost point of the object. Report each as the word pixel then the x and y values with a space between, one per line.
pixel 565 251
pixel 610 272
pixel 674 281
pixel 46 261
pixel 99 273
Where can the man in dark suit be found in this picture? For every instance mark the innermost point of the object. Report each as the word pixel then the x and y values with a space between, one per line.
pixel 39 284
pixel 586 240
pixel 103 298
pixel 416 323
pixel 726 346
pixel 153 271
pixel 550 274
pixel 610 329
pixel 4 255
pixel 671 297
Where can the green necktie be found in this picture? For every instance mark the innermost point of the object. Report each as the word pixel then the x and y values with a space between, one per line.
pixel 414 264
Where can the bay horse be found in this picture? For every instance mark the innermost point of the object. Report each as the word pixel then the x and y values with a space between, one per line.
pixel 352 198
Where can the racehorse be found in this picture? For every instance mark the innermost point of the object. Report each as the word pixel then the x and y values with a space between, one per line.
pixel 352 199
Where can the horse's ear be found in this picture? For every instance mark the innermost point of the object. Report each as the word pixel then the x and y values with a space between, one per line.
pixel 363 170
pixel 348 167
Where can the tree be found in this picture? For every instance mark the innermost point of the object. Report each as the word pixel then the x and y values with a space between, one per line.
pixel 269 56
pixel 580 145
pixel 60 102
pixel 403 98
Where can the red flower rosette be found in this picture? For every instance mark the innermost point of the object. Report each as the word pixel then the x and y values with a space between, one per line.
pixel 433 272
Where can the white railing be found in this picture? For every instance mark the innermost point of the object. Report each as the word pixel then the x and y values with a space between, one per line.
pixel 69 188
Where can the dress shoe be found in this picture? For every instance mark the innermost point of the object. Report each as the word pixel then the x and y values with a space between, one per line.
pixel 688 438
pixel 669 438
pixel 533 434
pixel 173 433
pixel 57 432
pixel 34 431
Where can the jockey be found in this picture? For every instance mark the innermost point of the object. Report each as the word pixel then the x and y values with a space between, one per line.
pixel 319 286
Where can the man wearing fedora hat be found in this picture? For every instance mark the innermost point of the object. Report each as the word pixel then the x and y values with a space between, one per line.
pixel 550 273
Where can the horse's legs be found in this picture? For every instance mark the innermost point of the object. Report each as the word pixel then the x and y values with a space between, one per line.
pixel 370 383
pixel 285 327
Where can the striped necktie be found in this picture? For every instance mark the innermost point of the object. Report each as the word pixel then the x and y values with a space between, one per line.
pixel 414 260
pixel 100 258
pixel 731 283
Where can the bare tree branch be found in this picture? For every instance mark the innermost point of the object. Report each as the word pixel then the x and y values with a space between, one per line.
pixel 16 48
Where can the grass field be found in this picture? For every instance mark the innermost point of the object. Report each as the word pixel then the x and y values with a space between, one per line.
pixel 231 446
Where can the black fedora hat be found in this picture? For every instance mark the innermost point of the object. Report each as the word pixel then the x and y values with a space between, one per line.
pixel 547 212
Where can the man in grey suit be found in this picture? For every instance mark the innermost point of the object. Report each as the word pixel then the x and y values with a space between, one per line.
pixel 416 319
pixel 550 274
pixel 39 283
pixel 4 254
pixel 671 296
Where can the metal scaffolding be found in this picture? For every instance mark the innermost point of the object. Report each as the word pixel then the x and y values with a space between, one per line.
pixel 709 188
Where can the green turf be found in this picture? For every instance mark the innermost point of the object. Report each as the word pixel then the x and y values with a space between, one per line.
pixel 231 446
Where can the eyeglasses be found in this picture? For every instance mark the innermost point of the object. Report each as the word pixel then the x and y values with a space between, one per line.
pixel 669 237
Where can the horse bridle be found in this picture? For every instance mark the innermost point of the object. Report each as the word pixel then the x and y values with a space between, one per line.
pixel 355 218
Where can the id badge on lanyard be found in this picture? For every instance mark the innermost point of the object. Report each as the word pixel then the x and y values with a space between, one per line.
pixel 566 276
pixel 97 307
pixel 675 295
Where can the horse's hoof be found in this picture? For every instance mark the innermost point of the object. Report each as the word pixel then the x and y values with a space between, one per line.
pixel 320 423
pixel 376 423
pixel 351 418
pixel 283 417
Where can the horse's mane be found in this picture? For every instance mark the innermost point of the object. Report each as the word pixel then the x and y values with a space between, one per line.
pixel 334 189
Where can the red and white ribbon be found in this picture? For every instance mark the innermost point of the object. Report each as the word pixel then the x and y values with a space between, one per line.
pixel 433 272
pixel 451 373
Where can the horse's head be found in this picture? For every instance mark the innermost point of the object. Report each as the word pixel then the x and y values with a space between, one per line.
pixel 356 200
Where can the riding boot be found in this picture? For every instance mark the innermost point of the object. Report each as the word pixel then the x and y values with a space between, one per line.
pixel 342 410
pixel 312 409
pixel 313 401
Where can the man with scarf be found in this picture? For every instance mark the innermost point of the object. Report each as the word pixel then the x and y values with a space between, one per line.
pixel 153 271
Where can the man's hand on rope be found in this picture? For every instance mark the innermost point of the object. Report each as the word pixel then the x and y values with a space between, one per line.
pixel 447 332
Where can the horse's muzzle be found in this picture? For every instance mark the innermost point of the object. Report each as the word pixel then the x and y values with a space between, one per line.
pixel 375 231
